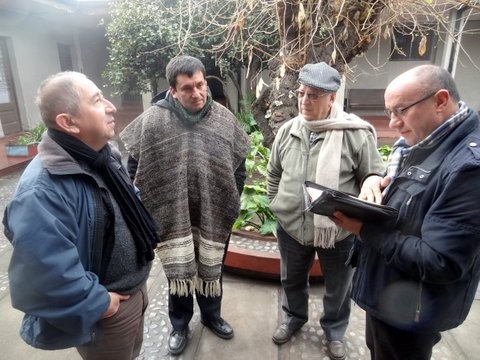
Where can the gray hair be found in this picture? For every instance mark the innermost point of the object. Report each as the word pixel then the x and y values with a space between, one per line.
pixel 183 65
pixel 58 94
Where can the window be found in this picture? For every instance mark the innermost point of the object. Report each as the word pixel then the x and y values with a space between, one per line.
pixel 412 45
pixel 5 83
pixel 65 57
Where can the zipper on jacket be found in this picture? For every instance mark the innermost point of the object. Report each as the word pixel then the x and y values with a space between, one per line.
pixel 419 303
pixel 409 201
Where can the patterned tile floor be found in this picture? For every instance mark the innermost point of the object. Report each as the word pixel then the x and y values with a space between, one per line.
pixel 308 343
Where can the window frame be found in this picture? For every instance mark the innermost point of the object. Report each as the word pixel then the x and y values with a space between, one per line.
pixel 411 41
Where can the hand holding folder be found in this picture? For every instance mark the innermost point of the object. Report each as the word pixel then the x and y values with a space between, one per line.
pixel 322 200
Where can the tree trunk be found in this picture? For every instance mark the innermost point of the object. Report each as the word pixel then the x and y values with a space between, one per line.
pixel 312 31
pixel 259 108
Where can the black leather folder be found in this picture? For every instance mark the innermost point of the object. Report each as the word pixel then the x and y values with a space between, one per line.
pixel 324 201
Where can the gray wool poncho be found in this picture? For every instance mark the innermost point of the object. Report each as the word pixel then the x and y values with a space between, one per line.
pixel 186 177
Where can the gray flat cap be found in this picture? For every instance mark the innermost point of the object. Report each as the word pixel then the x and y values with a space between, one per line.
pixel 321 76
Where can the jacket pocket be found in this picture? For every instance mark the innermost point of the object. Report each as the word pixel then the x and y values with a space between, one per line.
pixel 410 198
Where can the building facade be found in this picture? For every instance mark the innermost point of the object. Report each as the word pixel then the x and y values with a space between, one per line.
pixel 42 37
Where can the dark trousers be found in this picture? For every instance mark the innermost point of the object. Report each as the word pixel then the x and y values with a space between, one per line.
pixel 122 334
pixel 180 308
pixel 389 343
pixel 296 262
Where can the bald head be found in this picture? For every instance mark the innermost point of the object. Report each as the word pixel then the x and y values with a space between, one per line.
pixel 58 94
pixel 419 100
pixel 427 79
pixel 71 103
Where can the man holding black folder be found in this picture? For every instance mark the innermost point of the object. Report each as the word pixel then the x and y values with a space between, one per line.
pixel 325 145
pixel 417 275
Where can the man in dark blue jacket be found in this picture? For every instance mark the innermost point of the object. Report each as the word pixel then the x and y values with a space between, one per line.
pixel 417 275
pixel 82 241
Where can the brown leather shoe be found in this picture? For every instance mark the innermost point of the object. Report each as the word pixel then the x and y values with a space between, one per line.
pixel 336 350
pixel 283 334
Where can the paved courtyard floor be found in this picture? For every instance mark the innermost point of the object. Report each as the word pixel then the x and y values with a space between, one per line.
pixel 252 307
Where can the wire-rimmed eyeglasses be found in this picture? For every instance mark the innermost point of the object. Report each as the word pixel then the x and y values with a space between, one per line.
pixel 400 112
pixel 310 96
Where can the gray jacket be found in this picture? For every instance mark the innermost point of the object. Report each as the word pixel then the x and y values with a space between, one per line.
pixel 293 160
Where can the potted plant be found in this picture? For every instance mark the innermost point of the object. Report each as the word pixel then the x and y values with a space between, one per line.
pixel 26 144
pixel 255 213
pixel 256 223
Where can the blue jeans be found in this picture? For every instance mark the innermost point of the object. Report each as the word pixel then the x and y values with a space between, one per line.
pixel 296 262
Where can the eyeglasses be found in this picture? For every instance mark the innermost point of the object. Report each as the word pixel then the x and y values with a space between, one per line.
pixel 310 96
pixel 400 112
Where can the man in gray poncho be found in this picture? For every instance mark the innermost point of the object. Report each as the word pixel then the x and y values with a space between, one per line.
pixel 189 155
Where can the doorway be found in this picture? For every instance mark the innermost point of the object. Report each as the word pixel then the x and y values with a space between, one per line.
pixel 9 117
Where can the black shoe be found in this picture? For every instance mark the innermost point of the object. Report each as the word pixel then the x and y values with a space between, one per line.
pixel 177 341
pixel 220 328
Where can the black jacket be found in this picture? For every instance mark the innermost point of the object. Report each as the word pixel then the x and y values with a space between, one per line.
pixel 421 272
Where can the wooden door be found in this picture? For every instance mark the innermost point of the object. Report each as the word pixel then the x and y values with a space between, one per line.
pixel 9 117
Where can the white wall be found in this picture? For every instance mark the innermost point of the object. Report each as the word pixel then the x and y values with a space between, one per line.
pixel 32 44
pixel 467 75
pixel 33 56
pixel 374 71
pixel 93 59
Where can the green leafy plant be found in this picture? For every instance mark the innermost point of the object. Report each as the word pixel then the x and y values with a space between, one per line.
pixel 245 115
pixel 255 213
pixel 142 38
pixel 385 151
pixel 33 136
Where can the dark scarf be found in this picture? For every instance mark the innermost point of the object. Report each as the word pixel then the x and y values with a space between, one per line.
pixel 188 117
pixel 139 221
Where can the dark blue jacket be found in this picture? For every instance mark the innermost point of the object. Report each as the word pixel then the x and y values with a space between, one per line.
pixel 421 272
pixel 53 222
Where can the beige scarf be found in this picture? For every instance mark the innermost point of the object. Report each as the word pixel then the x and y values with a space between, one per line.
pixel 328 164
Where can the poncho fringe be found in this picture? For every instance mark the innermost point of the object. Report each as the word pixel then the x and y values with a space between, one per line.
pixel 187 286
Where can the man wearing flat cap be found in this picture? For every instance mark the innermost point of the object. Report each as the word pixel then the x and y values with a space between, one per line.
pixel 325 145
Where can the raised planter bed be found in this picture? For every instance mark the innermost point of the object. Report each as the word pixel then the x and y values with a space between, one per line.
pixel 250 254
pixel 21 150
